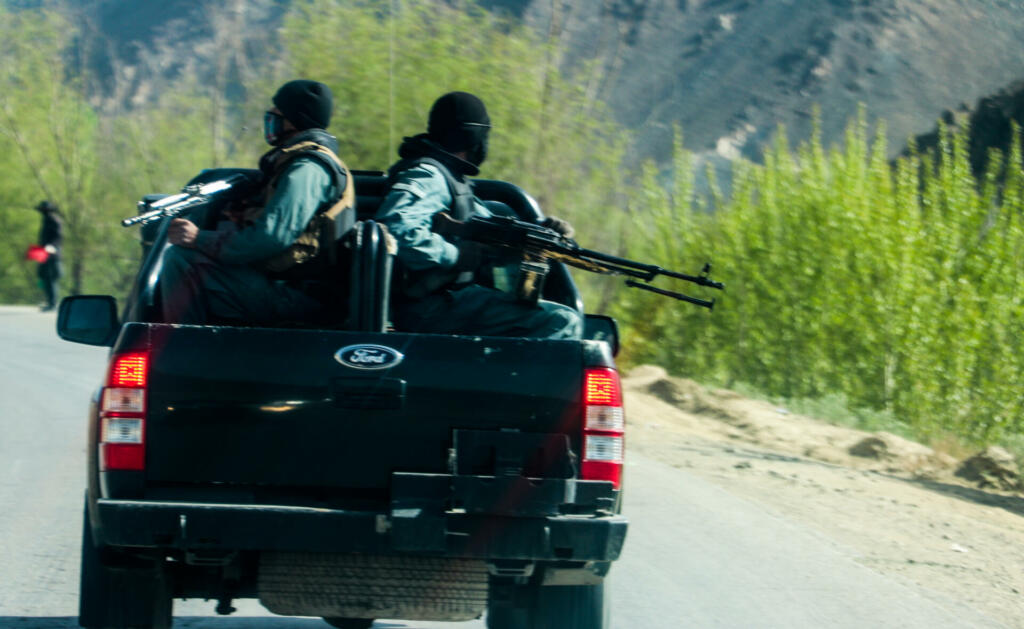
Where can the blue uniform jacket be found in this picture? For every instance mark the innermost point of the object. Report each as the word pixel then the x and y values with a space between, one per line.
pixel 408 212
pixel 302 188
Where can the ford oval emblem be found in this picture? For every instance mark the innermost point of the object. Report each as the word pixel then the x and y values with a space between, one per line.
pixel 368 356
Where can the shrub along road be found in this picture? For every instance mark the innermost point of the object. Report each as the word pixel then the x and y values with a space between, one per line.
pixel 699 553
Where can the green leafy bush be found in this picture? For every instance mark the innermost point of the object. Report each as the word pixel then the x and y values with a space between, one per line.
pixel 898 287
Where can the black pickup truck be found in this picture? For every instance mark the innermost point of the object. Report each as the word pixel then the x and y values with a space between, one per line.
pixel 346 470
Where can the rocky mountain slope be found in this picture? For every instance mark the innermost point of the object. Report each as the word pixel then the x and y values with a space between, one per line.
pixel 140 50
pixel 989 122
pixel 728 71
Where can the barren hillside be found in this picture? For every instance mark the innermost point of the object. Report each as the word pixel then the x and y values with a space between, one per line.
pixel 727 71
pixel 730 71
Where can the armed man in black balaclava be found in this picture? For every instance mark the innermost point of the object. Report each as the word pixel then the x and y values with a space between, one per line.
pixel 229 273
pixel 437 293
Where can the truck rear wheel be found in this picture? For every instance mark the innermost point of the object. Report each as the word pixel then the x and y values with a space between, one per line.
pixel 350 623
pixel 550 607
pixel 120 592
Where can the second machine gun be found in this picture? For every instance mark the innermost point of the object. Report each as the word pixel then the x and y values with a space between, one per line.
pixel 536 245
pixel 192 195
pixel 212 189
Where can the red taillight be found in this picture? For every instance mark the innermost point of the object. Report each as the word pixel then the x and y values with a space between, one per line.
pixel 602 388
pixel 129 370
pixel 604 426
pixel 123 414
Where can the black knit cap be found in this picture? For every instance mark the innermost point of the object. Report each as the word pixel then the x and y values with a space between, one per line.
pixel 458 120
pixel 306 104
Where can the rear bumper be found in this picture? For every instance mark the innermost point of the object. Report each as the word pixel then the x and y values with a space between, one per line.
pixel 233 527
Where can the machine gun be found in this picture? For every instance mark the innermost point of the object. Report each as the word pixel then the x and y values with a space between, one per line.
pixel 536 245
pixel 190 196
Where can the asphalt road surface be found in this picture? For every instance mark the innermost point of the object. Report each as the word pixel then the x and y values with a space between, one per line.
pixel 696 556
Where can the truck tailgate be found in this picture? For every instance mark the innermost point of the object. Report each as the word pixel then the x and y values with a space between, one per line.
pixel 269 407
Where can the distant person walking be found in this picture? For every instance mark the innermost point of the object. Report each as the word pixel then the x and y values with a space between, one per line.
pixel 51 237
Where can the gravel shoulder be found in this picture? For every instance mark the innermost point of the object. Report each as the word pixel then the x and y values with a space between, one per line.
pixel 902 512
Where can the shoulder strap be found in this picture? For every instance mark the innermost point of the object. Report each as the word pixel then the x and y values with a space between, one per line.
pixel 338 214
pixel 460 189
pixel 346 197
pixel 418 285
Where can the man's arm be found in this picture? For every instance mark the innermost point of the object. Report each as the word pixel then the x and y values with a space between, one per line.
pixel 300 191
pixel 408 212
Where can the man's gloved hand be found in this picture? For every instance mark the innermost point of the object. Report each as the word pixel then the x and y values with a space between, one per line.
pixel 562 226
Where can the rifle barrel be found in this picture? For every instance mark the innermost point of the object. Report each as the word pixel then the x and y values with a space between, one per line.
pixel 647 272
pixel 145 217
pixel 705 303
pixel 700 280
pixel 587 263
pixel 650 269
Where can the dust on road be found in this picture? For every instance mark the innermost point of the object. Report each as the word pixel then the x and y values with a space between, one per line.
pixel 903 514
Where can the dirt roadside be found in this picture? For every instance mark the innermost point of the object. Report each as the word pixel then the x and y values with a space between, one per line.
pixel 902 511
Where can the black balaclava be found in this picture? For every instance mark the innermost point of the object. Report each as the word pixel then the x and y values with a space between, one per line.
pixel 459 122
pixel 306 104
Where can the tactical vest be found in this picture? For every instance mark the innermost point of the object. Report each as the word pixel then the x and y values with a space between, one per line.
pixel 462 193
pixel 418 284
pixel 332 219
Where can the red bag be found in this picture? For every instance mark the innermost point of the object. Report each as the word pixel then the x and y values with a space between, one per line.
pixel 37 254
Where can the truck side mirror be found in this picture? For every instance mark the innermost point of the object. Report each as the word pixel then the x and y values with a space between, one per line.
pixel 602 328
pixel 89 319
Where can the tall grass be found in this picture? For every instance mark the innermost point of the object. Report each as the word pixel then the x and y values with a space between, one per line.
pixel 899 286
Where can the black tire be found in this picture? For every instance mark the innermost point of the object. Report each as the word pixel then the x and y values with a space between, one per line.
pixel 551 607
pixel 120 592
pixel 350 623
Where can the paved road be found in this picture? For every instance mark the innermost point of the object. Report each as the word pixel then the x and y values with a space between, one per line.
pixel 696 556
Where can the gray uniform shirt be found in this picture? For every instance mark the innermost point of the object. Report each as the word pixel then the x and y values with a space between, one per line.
pixel 301 189
pixel 408 212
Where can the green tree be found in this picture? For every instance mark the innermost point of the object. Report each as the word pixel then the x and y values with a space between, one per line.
pixel 54 145
pixel 48 136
